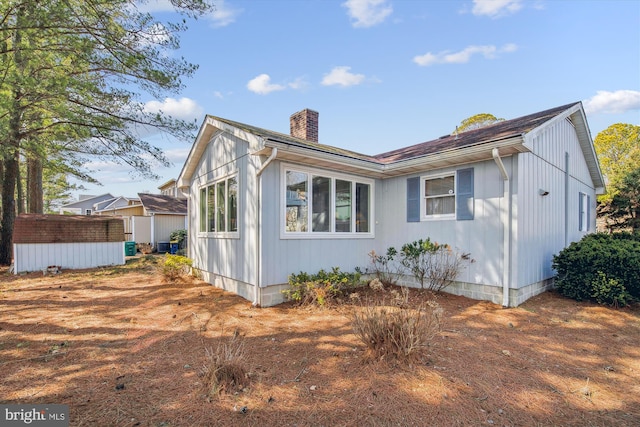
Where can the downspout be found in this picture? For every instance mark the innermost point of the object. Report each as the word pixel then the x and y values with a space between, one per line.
pixel 506 244
pixel 257 297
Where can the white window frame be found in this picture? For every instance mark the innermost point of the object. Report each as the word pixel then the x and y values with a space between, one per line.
pixel 423 197
pixel 219 234
pixel 332 234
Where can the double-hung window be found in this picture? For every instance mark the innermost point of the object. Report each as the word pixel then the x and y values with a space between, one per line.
pixel 441 196
pixel 219 206
pixel 319 203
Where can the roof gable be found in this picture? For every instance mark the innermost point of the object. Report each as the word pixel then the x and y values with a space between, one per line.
pixel 90 201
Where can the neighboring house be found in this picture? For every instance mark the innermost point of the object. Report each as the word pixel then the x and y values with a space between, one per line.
pixel 151 218
pixel 129 209
pixel 264 205
pixel 170 188
pixel 84 205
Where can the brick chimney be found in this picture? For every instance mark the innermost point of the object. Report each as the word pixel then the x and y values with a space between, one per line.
pixel 304 125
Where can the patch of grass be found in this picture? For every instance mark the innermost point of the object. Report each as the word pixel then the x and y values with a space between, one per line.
pixel 224 370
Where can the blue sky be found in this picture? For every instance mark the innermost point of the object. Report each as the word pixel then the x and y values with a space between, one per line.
pixel 385 74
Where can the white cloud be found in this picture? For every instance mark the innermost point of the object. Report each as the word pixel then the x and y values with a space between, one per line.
pixel 155 6
pixel 367 13
pixel 183 108
pixel 463 56
pixel 496 8
pixel 262 85
pixel 342 77
pixel 177 155
pixel 620 101
pixel 223 14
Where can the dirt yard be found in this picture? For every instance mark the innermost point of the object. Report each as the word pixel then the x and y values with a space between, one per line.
pixel 123 348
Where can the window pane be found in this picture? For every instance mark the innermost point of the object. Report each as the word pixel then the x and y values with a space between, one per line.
pixel 220 205
pixel 203 209
pixel 211 207
pixel 343 206
pixel 441 205
pixel 362 208
pixel 296 197
pixel 232 204
pixel 439 186
pixel 321 203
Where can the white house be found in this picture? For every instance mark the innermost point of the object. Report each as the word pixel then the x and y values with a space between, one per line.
pixel 263 205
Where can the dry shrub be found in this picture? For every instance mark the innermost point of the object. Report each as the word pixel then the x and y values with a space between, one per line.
pixel 397 331
pixel 225 368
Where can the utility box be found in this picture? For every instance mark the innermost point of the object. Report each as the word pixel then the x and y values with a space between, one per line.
pixel 163 247
pixel 130 248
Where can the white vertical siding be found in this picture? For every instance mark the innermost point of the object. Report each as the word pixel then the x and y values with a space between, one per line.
pixel 141 229
pixel 480 237
pixel 165 225
pixel 38 256
pixel 230 257
pixel 541 222
pixel 281 257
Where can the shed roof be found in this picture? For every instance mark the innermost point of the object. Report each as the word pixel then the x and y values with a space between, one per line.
pixel 161 204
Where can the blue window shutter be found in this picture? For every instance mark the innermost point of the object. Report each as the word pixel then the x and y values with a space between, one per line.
pixel 413 199
pixel 581 211
pixel 464 194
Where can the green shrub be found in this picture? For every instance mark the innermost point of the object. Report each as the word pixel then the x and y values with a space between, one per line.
pixel 609 291
pixel 321 287
pixel 179 236
pixel 176 266
pixel 431 263
pixel 598 265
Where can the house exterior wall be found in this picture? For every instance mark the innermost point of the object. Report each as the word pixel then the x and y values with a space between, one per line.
pixel 548 223
pixel 481 237
pixel 284 256
pixel 227 261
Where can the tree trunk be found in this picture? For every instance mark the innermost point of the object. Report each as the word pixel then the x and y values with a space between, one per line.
pixel 11 154
pixel 35 195
pixel 9 181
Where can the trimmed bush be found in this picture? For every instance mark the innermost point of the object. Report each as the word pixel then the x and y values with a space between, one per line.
pixel 601 267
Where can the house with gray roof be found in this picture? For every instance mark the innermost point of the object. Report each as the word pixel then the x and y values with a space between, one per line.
pixel 263 204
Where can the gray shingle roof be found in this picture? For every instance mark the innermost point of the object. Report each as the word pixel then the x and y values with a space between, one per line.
pixel 159 203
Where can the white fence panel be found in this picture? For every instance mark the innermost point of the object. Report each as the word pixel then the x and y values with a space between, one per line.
pixel 38 256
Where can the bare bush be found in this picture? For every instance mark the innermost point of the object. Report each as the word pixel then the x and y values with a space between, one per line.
pixel 225 368
pixel 397 332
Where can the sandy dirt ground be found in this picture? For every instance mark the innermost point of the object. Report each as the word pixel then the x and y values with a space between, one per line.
pixel 123 347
